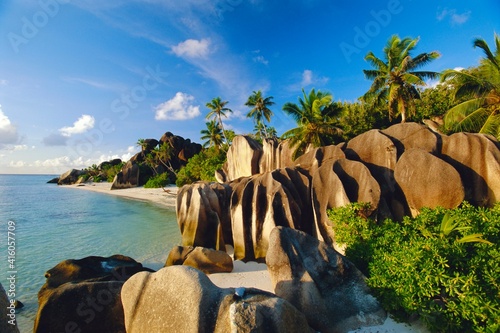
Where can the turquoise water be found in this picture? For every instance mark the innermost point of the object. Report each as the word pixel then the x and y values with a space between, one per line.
pixel 54 223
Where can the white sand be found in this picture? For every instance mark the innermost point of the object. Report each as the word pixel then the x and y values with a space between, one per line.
pixel 249 275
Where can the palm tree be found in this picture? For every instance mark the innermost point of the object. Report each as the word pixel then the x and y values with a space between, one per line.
pixel 395 80
pixel 217 110
pixel 212 134
pixel 480 87
pixel 142 143
pixel 260 110
pixel 315 116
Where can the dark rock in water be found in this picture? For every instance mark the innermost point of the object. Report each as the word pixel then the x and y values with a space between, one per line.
pixel 183 299
pixel 7 311
pixel 85 307
pixel 18 304
pixel 70 177
pixel 206 260
pixel 320 282
pixel 53 181
pixel 85 292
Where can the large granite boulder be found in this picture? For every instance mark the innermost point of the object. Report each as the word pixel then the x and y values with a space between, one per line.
pixel 128 177
pixel 84 294
pixel 337 183
pixel 275 155
pixel 183 299
pixel 203 215
pixel 8 323
pixel 413 135
pixel 428 181
pixel 315 157
pixel 243 159
pixel 70 177
pixel 85 307
pixel 320 283
pixel 379 153
pixel 208 261
pixel 477 158
pixel 262 202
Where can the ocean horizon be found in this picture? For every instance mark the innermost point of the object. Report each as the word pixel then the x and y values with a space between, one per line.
pixel 54 223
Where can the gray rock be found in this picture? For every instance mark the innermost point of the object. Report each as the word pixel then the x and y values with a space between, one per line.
pixel 320 283
pixel 183 299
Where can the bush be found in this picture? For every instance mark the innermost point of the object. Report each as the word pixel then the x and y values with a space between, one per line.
pixel 161 180
pixel 201 166
pixel 416 268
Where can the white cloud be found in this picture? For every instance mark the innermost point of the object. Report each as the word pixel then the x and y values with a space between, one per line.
pixel 307 78
pixel 260 59
pixel 178 108
pixel 192 48
pixel 18 164
pixel 82 125
pixel 455 18
pixel 8 132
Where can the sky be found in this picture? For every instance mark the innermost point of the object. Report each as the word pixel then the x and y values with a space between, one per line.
pixel 82 80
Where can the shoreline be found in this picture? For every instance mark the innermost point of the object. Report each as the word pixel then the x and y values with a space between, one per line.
pixel 154 195
pixel 248 275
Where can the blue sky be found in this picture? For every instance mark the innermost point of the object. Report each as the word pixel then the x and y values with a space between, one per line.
pixel 82 81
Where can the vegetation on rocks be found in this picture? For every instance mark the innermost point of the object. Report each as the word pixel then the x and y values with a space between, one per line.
pixel 441 266
pixel 202 166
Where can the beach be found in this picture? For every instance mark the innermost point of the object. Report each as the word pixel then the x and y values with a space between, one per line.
pixel 248 275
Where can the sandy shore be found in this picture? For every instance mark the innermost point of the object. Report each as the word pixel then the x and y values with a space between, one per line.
pixel 159 196
pixel 249 275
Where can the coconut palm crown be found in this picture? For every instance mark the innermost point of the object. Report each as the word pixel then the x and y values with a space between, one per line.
pixel 480 87
pixel 395 79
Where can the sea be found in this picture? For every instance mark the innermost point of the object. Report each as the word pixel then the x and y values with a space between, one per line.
pixel 51 223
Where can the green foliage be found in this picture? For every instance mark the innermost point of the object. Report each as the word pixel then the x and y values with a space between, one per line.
pixel 438 266
pixel 110 171
pixel 315 115
pixel 480 88
pixel 160 180
pixel 395 77
pixel 434 102
pixel 201 166
pixel 358 118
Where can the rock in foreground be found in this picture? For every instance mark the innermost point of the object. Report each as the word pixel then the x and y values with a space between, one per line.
pixel 183 299
pixel 320 282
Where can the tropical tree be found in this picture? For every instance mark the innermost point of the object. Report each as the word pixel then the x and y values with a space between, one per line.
pixel 480 87
pixel 217 110
pixel 260 110
pixel 316 121
pixel 395 80
pixel 164 154
pixel 142 143
pixel 212 135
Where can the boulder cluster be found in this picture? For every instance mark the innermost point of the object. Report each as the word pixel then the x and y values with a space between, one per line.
pixel 398 171
pixel 316 289
pixel 132 175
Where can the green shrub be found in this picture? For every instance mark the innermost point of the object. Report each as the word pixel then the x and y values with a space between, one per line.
pixel 416 268
pixel 161 180
pixel 201 166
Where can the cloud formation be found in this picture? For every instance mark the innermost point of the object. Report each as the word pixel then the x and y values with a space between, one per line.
pixel 455 18
pixel 178 108
pixel 8 132
pixel 82 125
pixel 192 48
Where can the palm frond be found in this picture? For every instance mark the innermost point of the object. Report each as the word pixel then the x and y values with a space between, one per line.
pixel 481 43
